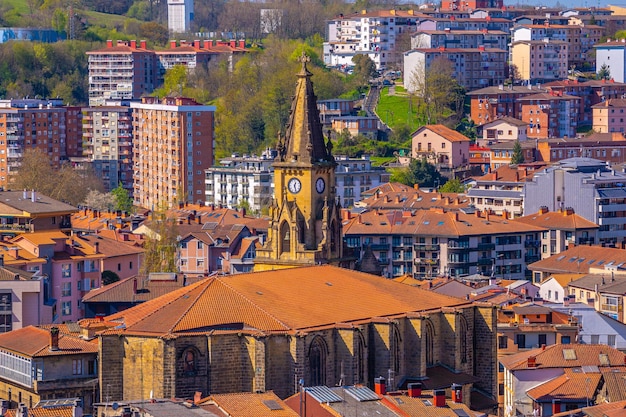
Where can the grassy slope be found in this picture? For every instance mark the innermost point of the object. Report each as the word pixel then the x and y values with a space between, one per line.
pixel 394 109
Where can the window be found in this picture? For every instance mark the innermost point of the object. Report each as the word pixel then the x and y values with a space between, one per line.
pixel 542 339
pixel 503 342
pixel 521 340
pixel 200 245
pixel 595 339
pixel 130 265
pixel 317 362
pixel 565 340
pixel 119 267
pixel 77 367
pixel 66 308
pixel 610 340
pixel 67 289
pixel 66 270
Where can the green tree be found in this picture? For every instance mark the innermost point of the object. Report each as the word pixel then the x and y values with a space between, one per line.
pixel 604 73
pixel 160 245
pixel 109 277
pixel 452 186
pixel 518 154
pixel 420 172
pixel 122 199
pixel 364 68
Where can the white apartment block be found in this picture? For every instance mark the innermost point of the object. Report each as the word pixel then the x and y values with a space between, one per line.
pixel 179 15
pixel 241 179
pixel 251 179
pixel 459 39
pixel 371 33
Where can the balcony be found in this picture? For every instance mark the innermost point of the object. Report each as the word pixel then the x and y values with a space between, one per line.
pixel 531 258
pixel 426 261
pixel 486 246
pixel 425 247
pixel 486 261
pixel 609 307
pixel 531 243
pixel 380 246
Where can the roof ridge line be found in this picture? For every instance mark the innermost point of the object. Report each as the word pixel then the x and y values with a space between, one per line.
pixel 193 303
pixel 222 281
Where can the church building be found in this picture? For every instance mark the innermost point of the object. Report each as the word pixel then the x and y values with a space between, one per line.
pixel 305 226
pixel 299 320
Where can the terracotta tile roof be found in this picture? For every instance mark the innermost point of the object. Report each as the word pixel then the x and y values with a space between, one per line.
pixel 191 218
pixel 434 222
pixel 580 259
pixel 603 282
pixel 554 356
pixel 244 245
pixel 108 247
pixel 410 198
pixel 279 300
pixel 564 279
pixel 90 220
pixel 35 342
pixel 612 102
pixel 417 406
pixel 545 96
pixel 615 380
pixel 41 238
pixel 123 291
pixel 506 119
pixel 508 173
pixel 8 273
pixel 443 131
pixel 247 404
pixel 573 385
pixel 66 411
pixel 612 409
pixel 561 220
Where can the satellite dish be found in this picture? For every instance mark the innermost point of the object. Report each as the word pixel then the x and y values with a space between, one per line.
pixel 115 406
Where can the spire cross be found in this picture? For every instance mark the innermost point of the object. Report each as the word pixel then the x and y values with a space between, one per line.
pixel 304 58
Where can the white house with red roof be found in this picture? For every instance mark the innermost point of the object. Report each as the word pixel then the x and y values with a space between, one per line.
pixel 440 145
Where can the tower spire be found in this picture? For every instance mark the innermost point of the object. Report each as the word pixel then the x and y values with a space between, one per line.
pixel 304 139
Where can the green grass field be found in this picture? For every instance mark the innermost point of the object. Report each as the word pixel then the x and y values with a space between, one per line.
pixel 398 109
pixel 19 6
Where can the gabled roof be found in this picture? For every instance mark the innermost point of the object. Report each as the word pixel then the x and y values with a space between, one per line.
pixel 560 220
pixel 506 119
pixel 247 404
pixel 148 288
pixel 278 301
pixel 565 356
pixel 563 279
pixel 64 411
pixel 445 132
pixel 574 385
pixel 612 409
pixel 13 202
pixel 108 247
pixel 32 341
pixel 579 259
pixel 615 382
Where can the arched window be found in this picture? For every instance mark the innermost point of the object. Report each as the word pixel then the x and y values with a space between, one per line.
pixel 284 238
pixel 395 349
pixel 359 359
pixel 463 339
pixel 188 360
pixel 428 342
pixel 317 362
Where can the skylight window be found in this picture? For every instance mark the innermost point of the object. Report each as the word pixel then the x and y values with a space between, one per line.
pixel 569 354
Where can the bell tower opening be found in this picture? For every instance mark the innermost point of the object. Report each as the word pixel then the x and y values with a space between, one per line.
pixel 284 238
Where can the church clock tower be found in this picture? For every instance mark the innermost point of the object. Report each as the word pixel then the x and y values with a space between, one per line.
pixel 305 226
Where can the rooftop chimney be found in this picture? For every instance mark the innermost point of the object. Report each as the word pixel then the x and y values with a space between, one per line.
pixel 96 247
pixel 54 339
pixel 197 397
pixel 532 362
pixel 414 389
pixel 440 398
pixel 457 393
pixel 135 285
pixel 25 194
pixel 33 197
pixel 380 386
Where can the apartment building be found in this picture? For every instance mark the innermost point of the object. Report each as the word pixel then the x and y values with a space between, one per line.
pixel 589 187
pixel 591 92
pixel 436 242
pixel 32 123
pixel 329 109
pixel 241 180
pixel 354 176
pixel 21 297
pixel 491 103
pixel 607 147
pixel 550 115
pixel 609 116
pixel 367 126
pixel 455 21
pixel 372 33
pixel 108 134
pixel 504 129
pixel 541 60
pixel 172 147
pixel 579 38
pixel 122 71
pixel 179 15
pixel 449 38
pixel 612 55
pixel 471 5
pixel 606 292
pixel 129 70
pixel 472 68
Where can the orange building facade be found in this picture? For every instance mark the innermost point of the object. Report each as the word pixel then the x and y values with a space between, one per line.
pixel 172 146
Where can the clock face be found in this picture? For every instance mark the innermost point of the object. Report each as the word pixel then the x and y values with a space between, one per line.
pixel 294 185
pixel 320 185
